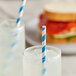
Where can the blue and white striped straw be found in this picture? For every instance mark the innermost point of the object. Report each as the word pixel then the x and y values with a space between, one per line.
pixel 18 21
pixel 16 35
pixel 21 13
pixel 43 49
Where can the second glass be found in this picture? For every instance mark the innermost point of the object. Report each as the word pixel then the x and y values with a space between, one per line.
pixel 32 61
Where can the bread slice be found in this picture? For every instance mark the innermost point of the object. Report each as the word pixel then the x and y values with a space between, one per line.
pixel 60 11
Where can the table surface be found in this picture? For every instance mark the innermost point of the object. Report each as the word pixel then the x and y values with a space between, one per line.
pixel 9 10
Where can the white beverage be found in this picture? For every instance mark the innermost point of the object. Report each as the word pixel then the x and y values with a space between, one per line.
pixel 32 61
pixel 11 62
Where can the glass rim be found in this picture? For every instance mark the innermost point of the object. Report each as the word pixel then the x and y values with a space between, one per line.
pixel 14 20
pixel 48 46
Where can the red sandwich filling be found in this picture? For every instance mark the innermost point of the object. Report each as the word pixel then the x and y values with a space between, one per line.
pixel 54 27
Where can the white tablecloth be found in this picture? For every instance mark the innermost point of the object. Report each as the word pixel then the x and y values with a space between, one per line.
pixel 9 10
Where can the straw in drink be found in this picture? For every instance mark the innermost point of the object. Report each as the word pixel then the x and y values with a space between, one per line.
pixel 35 62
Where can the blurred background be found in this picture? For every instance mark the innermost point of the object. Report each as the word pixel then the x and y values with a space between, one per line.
pixel 9 10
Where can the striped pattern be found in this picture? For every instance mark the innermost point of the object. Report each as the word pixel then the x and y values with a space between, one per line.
pixel 43 49
pixel 16 35
pixel 21 13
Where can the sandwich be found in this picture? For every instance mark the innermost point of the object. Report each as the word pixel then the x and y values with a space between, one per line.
pixel 60 21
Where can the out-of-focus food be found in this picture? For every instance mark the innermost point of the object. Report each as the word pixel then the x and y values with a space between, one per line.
pixel 60 21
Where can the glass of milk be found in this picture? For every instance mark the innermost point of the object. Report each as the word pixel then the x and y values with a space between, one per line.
pixel 32 61
pixel 12 45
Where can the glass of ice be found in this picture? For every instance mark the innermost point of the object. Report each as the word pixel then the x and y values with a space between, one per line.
pixel 32 61
pixel 12 45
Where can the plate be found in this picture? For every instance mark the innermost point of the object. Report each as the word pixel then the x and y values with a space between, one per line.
pixel 32 37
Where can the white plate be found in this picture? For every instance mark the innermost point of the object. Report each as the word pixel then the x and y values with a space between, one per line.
pixel 32 37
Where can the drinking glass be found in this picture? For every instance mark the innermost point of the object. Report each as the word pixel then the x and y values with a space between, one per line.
pixel 32 61
pixel 12 45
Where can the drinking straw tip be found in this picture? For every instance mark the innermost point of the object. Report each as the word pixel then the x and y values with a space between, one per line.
pixel 43 28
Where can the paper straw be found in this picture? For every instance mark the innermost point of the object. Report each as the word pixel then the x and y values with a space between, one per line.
pixel 43 49
pixel 21 13
pixel 16 35
pixel 15 43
